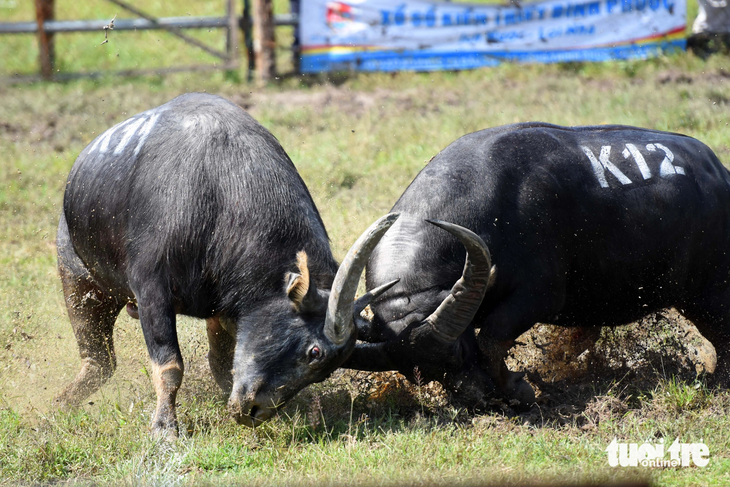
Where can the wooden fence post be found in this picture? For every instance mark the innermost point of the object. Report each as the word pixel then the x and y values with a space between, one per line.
pixel 264 41
pixel 296 47
pixel 232 35
pixel 44 11
pixel 247 27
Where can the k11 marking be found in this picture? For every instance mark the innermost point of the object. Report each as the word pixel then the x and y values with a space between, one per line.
pixel 601 164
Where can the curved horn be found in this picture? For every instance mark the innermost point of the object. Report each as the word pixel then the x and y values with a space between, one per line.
pixel 338 324
pixel 458 309
pixel 368 297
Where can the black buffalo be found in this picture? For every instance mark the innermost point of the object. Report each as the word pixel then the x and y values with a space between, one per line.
pixel 194 208
pixel 587 226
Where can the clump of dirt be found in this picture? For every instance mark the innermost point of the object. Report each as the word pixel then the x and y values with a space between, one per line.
pixel 358 395
pixel 662 343
pixel 584 376
pixel 381 388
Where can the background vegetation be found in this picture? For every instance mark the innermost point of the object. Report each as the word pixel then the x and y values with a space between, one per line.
pixel 357 141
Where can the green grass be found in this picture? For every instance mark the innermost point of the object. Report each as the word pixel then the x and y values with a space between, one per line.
pixel 108 443
pixel 357 141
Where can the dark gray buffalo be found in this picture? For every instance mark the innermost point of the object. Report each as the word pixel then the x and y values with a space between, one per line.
pixel 587 226
pixel 194 208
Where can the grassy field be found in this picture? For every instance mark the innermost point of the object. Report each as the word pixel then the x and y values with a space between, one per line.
pixel 357 141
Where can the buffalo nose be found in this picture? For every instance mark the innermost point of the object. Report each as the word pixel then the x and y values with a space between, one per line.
pixel 245 407
pixel 249 414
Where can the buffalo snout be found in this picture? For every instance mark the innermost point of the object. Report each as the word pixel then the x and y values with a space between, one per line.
pixel 249 406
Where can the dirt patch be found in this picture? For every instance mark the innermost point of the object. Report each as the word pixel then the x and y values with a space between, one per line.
pixel 9 128
pixel 680 77
pixel 677 77
pixel 354 103
pixel 663 342
pixel 583 376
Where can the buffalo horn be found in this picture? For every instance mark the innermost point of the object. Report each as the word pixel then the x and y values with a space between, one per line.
pixel 367 298
pixel 338 324
pixel 455 312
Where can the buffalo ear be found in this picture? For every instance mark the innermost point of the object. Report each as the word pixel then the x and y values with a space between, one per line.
pixel 297 285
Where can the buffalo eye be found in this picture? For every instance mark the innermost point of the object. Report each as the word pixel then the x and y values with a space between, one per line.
pixel 314 353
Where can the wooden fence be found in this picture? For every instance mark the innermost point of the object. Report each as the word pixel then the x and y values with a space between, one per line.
pixel 257 24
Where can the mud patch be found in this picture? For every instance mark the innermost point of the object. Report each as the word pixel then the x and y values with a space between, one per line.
pixel 354 103
pixel 681 77
pixel 663 343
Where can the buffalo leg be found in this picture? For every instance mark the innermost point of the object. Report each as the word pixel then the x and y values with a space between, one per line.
pixel 711 316
pixel 470 385
pixel 501 327
pixel 220 355
pixel 157 317
pixel 92 313
pixel 511 384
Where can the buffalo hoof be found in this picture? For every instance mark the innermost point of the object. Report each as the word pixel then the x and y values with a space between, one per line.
pixel 719 378
pixel 91 377
pixel 66 403
pixel 519 390
pixel 164 430
pixel 470 387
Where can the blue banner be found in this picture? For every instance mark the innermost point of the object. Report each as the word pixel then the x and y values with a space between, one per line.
pixel 376 35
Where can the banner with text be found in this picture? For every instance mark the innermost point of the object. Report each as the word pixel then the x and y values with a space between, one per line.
pixel 382 35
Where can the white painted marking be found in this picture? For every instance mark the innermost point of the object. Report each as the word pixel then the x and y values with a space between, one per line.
pixel 602 163
pixel 597 168
pixel 639 159
pixel 128 133
pixel 666 168
pixel 103 136
pixel 144 124
pixel 103 141
pixel 145 132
